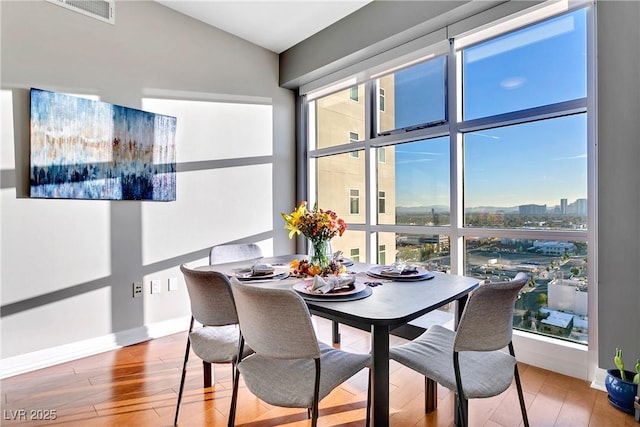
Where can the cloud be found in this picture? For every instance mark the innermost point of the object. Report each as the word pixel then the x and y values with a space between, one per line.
pixel 577 157
pixel 422 153
pixel 405 162
pixel 485 135
pixel 513 82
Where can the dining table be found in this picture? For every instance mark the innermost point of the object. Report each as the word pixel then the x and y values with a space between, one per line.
pixel 380 305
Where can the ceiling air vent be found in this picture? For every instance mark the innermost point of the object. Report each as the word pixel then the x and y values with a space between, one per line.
pixel 99 9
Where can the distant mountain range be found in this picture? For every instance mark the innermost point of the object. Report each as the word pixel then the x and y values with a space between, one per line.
pixel 414 210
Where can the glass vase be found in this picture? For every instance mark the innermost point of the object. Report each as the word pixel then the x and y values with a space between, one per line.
pixel 320 253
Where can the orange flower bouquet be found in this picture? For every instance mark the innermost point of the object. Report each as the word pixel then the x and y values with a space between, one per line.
pixel 319 226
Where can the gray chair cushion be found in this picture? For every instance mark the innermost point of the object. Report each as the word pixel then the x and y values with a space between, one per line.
pixel 484 374
pixel 290 382
pixel 216 344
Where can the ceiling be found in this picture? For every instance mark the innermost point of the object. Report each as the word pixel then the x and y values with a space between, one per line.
pixel 274 25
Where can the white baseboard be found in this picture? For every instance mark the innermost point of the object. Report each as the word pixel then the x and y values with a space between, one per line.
pixel 551 354
pixel 598 379
pixel 28 362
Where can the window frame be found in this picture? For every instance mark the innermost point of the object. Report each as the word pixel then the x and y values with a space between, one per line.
pixel 454 128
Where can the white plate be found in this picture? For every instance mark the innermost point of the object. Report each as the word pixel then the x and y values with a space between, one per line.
pixel 301 287
pixel 346 262
pixel 421 273
pixel 279 272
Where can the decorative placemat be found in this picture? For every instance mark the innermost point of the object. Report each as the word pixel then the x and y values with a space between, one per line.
pixel 420 273
pixel 367 291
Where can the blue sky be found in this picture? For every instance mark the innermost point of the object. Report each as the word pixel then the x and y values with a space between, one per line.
pixel 539 162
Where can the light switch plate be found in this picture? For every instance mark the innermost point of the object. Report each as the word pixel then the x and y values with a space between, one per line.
pixel 155 286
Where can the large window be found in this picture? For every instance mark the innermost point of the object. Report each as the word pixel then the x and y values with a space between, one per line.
pixel 538 65
pixel 484 175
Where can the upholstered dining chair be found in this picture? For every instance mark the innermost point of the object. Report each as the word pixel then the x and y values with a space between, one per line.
pixel 470 361
pixel 221 254
pixel 289 366
pixel 234 252
pixel 216 341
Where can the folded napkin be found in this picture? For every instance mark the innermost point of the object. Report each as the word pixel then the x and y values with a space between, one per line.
pixel 331 283
pixel 262 269
pixel 397 270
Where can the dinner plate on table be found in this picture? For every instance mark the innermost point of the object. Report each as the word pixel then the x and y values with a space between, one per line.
pixel 277 273
pixel 389 273
pixel 302 286
pixel 345 261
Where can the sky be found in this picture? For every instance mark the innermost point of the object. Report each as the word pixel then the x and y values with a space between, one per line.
pixel 534 163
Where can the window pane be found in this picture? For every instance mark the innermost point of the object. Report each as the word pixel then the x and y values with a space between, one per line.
pixel 382 254
pixel 413 96
pixel 353 93
pixel 382 202
pixel 354 137
pixel 354 201
pixel 337 116
pixel 351 243
pixel 555 301
pixel 428 250
pixel 415 179
pixel 341 187
pixel 532 175
pixel 539 65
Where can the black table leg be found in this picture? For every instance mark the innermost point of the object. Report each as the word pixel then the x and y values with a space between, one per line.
pixel 380 376
pixel 336 332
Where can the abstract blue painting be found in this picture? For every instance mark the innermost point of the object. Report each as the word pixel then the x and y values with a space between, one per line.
pixel 85 149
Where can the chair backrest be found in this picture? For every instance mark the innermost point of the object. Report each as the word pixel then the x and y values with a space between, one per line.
pixel 275 322
pixel 211 298
pixel 487 321
pixel 234 252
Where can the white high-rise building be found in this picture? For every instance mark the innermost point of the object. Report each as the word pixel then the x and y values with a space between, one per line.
pixel 568 296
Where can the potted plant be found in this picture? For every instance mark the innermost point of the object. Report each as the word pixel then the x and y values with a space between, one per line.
pixel 622 385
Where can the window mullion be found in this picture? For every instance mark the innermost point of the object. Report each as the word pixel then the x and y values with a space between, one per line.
pixel 370 180
pixel 454 96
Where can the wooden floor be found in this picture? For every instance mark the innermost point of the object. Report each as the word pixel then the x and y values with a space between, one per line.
pixel 137 386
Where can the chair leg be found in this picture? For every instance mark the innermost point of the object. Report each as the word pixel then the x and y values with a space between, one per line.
pixel 207 371
pixel 316 396
pixel 184 374
pixel 236 380
pixel 516 375
pixel 430 395
pixel 461 417
pixel 463 408
pixel 234 398
pixel 368 422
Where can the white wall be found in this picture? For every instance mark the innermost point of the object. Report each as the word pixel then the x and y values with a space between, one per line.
pixel 67 266
pixel 618 72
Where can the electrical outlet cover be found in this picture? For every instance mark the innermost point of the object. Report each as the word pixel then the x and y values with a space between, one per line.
pixel 137 289
pixel 155 286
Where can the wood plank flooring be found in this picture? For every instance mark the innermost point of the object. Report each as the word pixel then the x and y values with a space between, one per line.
pixel 137 386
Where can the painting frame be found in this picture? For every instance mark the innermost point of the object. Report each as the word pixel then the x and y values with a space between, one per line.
pixel 87 149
